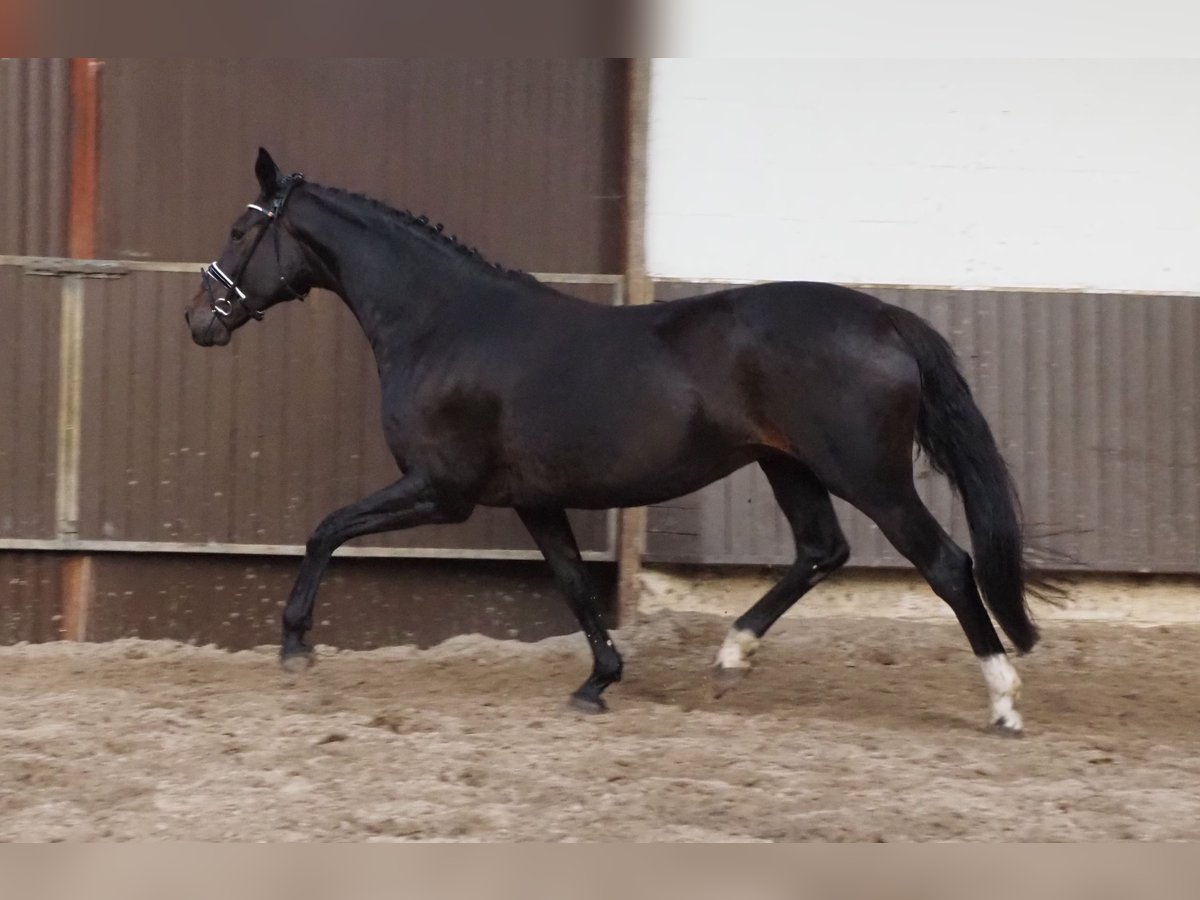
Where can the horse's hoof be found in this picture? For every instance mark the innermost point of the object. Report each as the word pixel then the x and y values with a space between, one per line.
pixel 587 705
pixel 1008 727
pixel 725 677
pixel 297 663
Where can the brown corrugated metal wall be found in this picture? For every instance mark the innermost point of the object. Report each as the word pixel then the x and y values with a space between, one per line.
pixel 29 339
pixel 30 584
pixel 34 116
pixel 523 158
pixel 363 603
pixel 1093 399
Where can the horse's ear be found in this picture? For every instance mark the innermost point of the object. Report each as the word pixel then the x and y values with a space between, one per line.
pixel 267 172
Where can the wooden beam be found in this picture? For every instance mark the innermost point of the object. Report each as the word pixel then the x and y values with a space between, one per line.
pixel 637 125
pixel 78 591
pixel 15 29
pixel 638 289
pixel 78 580
pixel 91 545
pixel 85 120
pixel 70 409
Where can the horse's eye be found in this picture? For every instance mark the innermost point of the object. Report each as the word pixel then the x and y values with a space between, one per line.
pixel 237 234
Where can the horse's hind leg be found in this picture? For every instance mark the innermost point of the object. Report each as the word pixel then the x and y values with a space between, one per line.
pixel 913 531
pixel 552 533
pixel 820 549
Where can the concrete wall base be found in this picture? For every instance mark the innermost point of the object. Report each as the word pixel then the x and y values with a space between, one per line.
pixel 729 591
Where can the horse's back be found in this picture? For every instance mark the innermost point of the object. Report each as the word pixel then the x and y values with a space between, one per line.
pixel 798 330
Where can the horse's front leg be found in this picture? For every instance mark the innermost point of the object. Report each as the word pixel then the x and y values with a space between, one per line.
pixel 552 533
pixel 411 501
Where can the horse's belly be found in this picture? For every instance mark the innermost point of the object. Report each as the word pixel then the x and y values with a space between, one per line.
pixel 618 481
pixel 648 434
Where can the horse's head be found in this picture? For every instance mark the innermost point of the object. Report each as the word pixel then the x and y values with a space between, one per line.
pixel 263 264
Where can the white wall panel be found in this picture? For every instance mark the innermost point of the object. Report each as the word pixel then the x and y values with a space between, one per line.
pixel 966 173
pixel 916 29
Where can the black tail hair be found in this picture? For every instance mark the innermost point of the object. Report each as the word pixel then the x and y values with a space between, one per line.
pixel 956 438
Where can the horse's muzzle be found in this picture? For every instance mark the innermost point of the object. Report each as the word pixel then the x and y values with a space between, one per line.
pixel 208 329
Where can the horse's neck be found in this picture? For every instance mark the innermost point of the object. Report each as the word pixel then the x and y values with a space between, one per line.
pixel 398 286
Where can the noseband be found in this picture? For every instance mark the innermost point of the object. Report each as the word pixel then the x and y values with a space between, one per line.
pixel 234 295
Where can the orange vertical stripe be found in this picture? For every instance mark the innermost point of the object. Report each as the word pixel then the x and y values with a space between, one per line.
pixel 85 99
pixel 15 39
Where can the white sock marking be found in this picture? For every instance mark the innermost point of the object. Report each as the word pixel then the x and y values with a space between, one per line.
pixel 735 653
pixel 1004 686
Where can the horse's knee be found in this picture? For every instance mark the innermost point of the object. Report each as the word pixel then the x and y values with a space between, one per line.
pixel 320 544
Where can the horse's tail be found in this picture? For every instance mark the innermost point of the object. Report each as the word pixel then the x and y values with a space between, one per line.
pixel 956 438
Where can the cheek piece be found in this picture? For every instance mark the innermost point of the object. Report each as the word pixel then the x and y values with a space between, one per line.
pixel 213 276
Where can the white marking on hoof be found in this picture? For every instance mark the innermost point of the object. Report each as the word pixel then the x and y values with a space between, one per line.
pixel 1004 687
pixel 735 653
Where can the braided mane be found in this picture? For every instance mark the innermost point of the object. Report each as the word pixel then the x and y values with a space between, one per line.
pixel 411 221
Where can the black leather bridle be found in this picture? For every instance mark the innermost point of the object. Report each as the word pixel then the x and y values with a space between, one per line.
pixel 235 296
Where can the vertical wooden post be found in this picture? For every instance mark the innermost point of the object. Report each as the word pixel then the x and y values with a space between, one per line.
pixel 70 408
pixel 638 289
pixel 85 105
pixel 78 579
pixel 78 589
pixel 15 29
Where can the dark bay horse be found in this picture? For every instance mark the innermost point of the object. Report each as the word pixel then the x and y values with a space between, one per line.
pixel 498 390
